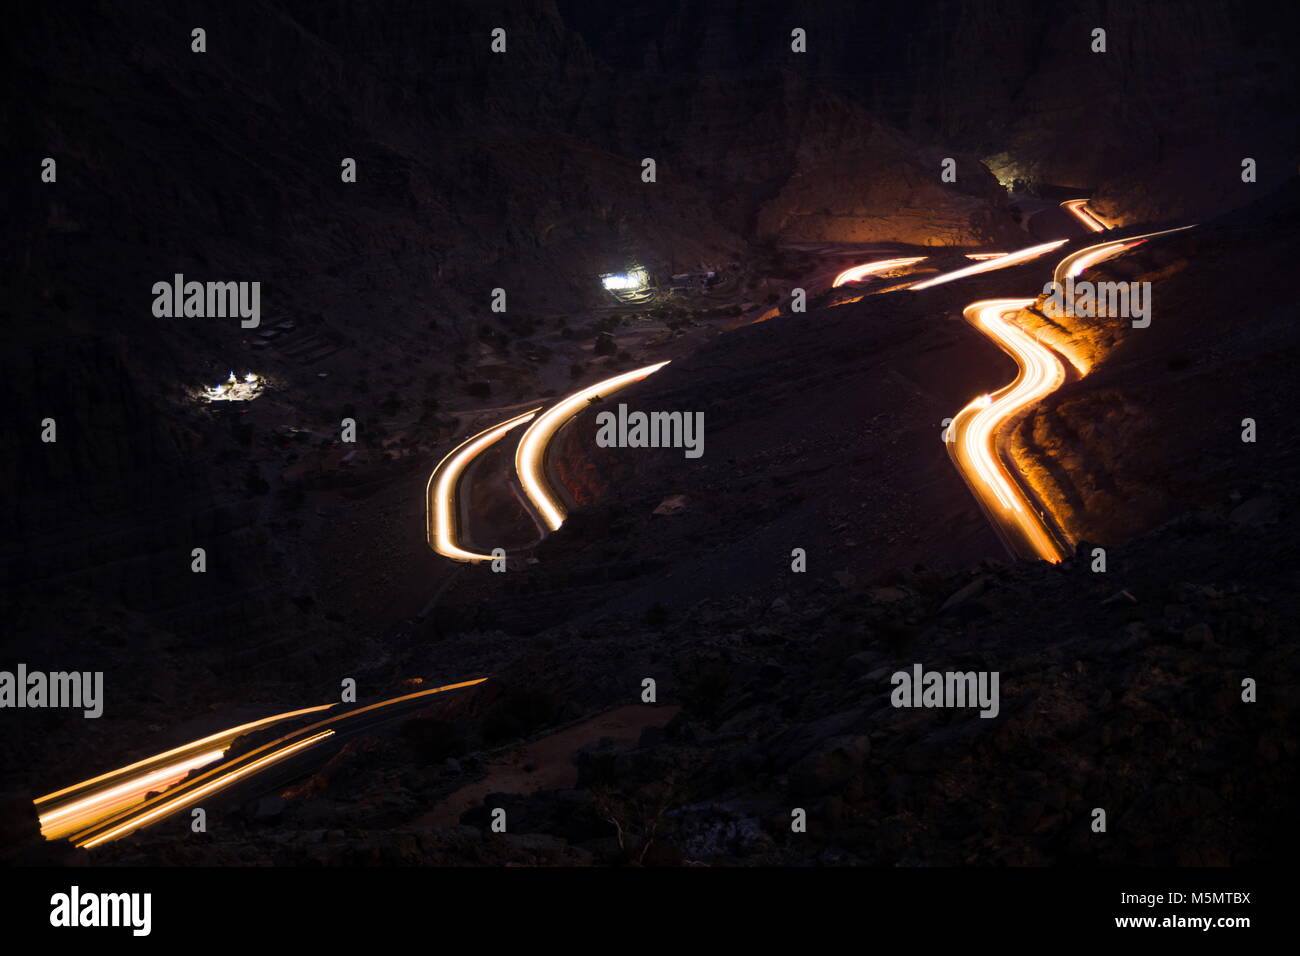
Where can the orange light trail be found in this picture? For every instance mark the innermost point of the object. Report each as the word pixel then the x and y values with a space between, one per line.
pixel 1079 208
pixel 212 786
pixel 975 427
pixel 225 736
pixel 121 808
pixel 531 453
pixel 874 268
pixel 1010 259
pixel 440 493
pixel 82 813
pixel 140 778
pixel 1077 262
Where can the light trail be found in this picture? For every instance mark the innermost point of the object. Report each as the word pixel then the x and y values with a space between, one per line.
pixel 974 430
pixel 191 796
pixel 874 268
pixel 975 427
pixel 1079 208
pixel 440 493
pixel 83 813
pixel 1010 259
pixel 530 456
pixel 122 815
pixel 224 735
pixel 1075 263
pixel 105 796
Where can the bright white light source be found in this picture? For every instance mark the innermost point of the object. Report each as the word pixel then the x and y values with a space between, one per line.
pixel 233 389
pixel 621 283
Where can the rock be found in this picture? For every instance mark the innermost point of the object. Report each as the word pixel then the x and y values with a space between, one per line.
pixel 834 763
pixel 861 663
pixel 1136 632
pixel 1262 509
pixel 974 589
pixel 672 505
pixel 651 736
pixel 269 808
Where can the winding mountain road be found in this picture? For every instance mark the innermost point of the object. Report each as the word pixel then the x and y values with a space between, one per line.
pixel 442 492
pixel 1025 525
pixel 119 802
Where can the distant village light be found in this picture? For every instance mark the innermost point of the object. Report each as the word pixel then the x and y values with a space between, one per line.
pixel 233 389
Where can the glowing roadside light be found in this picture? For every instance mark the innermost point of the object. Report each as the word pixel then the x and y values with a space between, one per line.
pixel 983 256
pixel 219 783
pixel 873 268
pixel 250 378
pixel 441 490
pixel 531 453
pixel 1010 259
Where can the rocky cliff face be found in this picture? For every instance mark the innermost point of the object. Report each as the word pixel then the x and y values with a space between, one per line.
pixel 1017 83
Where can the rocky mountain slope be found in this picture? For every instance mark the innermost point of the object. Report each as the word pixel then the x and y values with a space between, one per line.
pixel 521 171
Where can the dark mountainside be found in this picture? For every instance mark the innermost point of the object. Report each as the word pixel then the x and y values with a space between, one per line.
pixel 823 429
